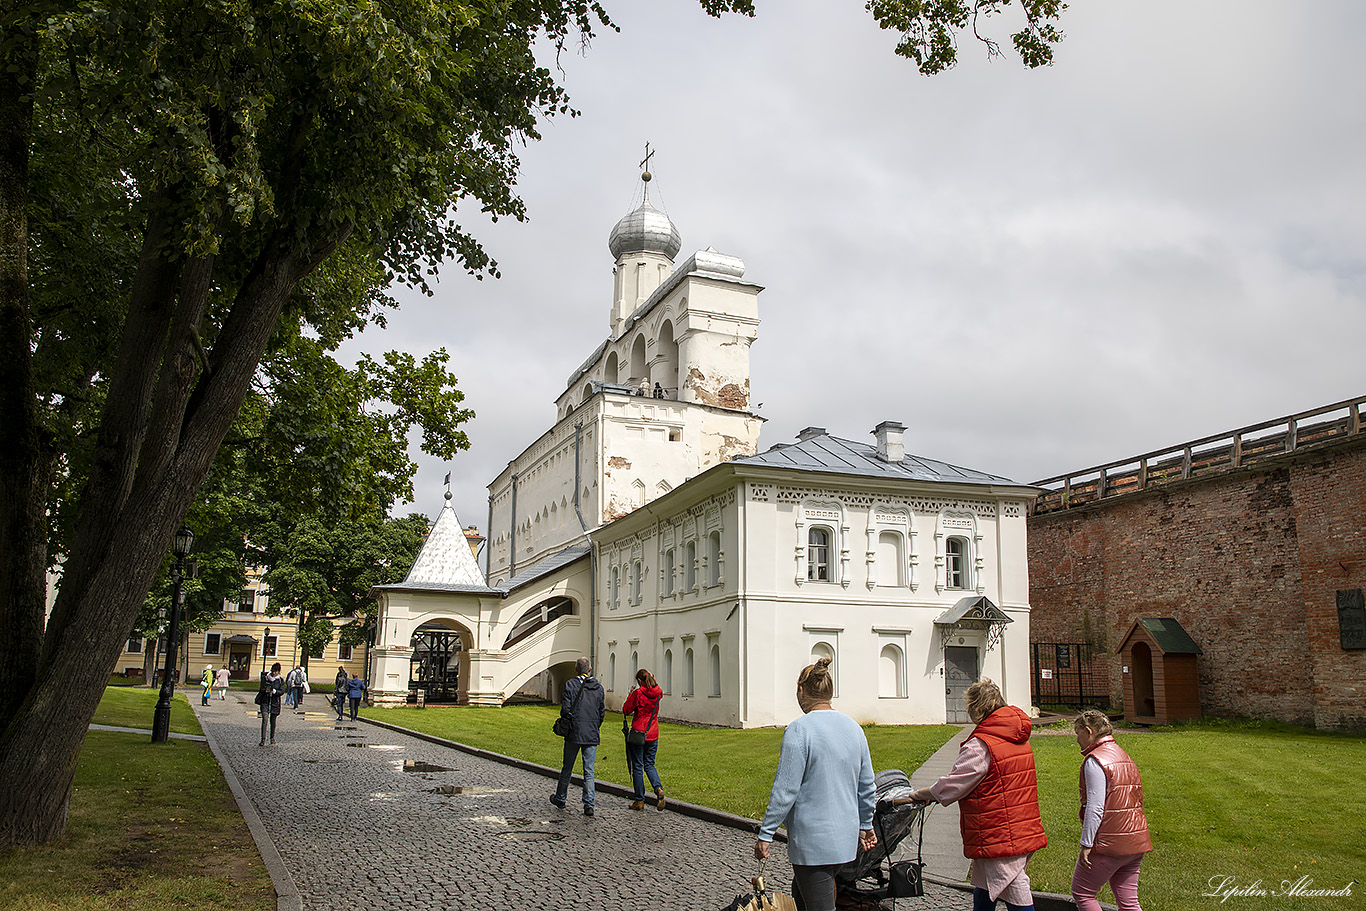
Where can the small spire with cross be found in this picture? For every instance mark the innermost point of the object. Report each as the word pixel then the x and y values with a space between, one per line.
pixel 645 171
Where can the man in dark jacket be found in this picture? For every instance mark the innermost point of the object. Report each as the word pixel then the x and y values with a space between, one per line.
pixel 582 704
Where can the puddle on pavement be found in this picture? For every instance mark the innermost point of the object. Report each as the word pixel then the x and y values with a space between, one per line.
pixel 377 746
pixel 384 795
pixel 410 765
pixel 532 835
pixel 452 789
pixel 321 760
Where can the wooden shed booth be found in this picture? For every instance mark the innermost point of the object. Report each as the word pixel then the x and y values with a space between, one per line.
pixel 1161 683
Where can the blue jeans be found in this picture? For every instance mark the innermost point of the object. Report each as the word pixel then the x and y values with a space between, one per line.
pixel 571 752
pixel 642 760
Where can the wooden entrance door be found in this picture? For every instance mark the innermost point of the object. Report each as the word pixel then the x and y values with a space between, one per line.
pixel 960 672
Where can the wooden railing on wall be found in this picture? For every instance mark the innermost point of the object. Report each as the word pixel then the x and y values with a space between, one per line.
pixel 1219 453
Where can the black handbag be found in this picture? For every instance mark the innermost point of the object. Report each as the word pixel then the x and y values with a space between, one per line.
pixel 637 738
pixel 564 725
pixel 906 880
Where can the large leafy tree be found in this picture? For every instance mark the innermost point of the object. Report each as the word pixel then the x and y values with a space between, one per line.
pixel 173 177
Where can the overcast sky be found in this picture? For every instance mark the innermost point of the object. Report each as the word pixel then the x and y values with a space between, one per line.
pixel 1156 239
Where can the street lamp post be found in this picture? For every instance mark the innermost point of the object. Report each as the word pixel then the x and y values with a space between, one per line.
pixel 161 719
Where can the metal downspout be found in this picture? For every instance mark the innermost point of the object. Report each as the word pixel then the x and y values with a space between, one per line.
pixel 592 556
pixel 488 545
pixel 512 531
pixel 741 552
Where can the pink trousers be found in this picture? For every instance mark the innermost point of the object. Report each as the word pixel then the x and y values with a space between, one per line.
pixel 1120 872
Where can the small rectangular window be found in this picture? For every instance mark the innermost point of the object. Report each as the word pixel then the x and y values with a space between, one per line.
pixel 268 646
pixel 134 645
pixel 344 652
pixel 316 652
pixel 213 643
pixel 247 604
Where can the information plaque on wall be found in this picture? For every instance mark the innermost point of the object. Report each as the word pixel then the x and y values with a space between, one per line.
pixel 1352 619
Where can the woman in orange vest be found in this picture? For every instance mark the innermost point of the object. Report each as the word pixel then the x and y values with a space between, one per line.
pixel 994 784
pixel 1114 831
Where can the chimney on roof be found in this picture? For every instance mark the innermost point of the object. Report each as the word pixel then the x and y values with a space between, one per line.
pixel 890 448
pixel 809 432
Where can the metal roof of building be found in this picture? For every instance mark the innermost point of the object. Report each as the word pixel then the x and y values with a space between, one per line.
pixel 557 560
pixel 817 450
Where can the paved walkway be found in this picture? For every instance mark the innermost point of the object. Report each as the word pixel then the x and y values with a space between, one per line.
pixel 349 818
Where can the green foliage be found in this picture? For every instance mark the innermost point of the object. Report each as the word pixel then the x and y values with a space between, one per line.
pixel 929 29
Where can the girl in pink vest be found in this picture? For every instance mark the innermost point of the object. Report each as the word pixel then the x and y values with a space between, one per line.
pixel 1114 831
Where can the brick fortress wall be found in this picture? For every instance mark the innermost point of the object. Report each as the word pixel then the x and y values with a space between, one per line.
pixel 1249 561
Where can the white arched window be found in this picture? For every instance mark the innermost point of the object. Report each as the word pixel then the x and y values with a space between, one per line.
pixel 636 572
pixel 690 566
pixel 666 678
pixel 687 672
pixel 609 371
pixel 891 673
pixel 818 541
pixel 956 574
pixel 890 559
pixel 635 665
pixel 714 668
pixel 612 671
pixel 714 558
pixel 666 581
pixel 614 593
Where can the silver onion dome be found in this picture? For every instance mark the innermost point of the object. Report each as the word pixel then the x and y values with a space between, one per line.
pixel 646 230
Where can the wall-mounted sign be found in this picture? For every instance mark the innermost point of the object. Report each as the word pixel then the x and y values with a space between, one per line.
pixel 1046 674
pixel 1352 619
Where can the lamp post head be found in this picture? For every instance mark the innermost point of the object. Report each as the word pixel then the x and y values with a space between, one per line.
pixel 182 542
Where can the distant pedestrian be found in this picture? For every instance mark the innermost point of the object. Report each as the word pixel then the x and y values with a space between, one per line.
pixel 339 691
pixel 823 791
pixel 268 698
pixel 220 682
pixel 289 689
pixel 206 681
pixel 583 707
pixel 996 788
pixel 295 682
pixel 1114 830
pixel 355 691
pixel 642 739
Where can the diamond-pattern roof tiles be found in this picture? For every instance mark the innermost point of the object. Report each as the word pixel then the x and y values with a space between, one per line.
pixel 445 558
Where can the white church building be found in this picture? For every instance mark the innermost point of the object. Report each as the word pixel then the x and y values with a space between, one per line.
pixel 645 529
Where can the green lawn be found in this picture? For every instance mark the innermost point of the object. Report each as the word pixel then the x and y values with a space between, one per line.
pixel 133 707
pixel 152 827
pixel 728 769
pixel 1253 801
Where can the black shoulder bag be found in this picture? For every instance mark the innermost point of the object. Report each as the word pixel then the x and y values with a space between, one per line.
pixel 564 725
pixel 637 738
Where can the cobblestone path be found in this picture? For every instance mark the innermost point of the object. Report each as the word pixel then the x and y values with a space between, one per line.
pixel 367 818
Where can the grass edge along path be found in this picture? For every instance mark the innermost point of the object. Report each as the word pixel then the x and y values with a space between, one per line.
pixel 152 826
pixel 728 769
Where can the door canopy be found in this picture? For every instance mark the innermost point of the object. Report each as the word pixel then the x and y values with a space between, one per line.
pixel 974 613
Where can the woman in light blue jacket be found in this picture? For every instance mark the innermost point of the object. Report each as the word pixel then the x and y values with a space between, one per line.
pixel 823 791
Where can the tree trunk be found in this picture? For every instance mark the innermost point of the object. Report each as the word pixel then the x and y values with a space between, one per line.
pixel 24 457
pixel 158 438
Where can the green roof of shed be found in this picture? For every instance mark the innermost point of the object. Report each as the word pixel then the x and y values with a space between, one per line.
pixel 1171 637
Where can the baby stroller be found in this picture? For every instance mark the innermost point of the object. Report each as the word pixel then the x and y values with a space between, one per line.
pixel 896 818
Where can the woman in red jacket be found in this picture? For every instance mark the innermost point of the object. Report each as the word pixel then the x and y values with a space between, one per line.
pixel 1114 830
pixel 997 792
pixel 643 705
